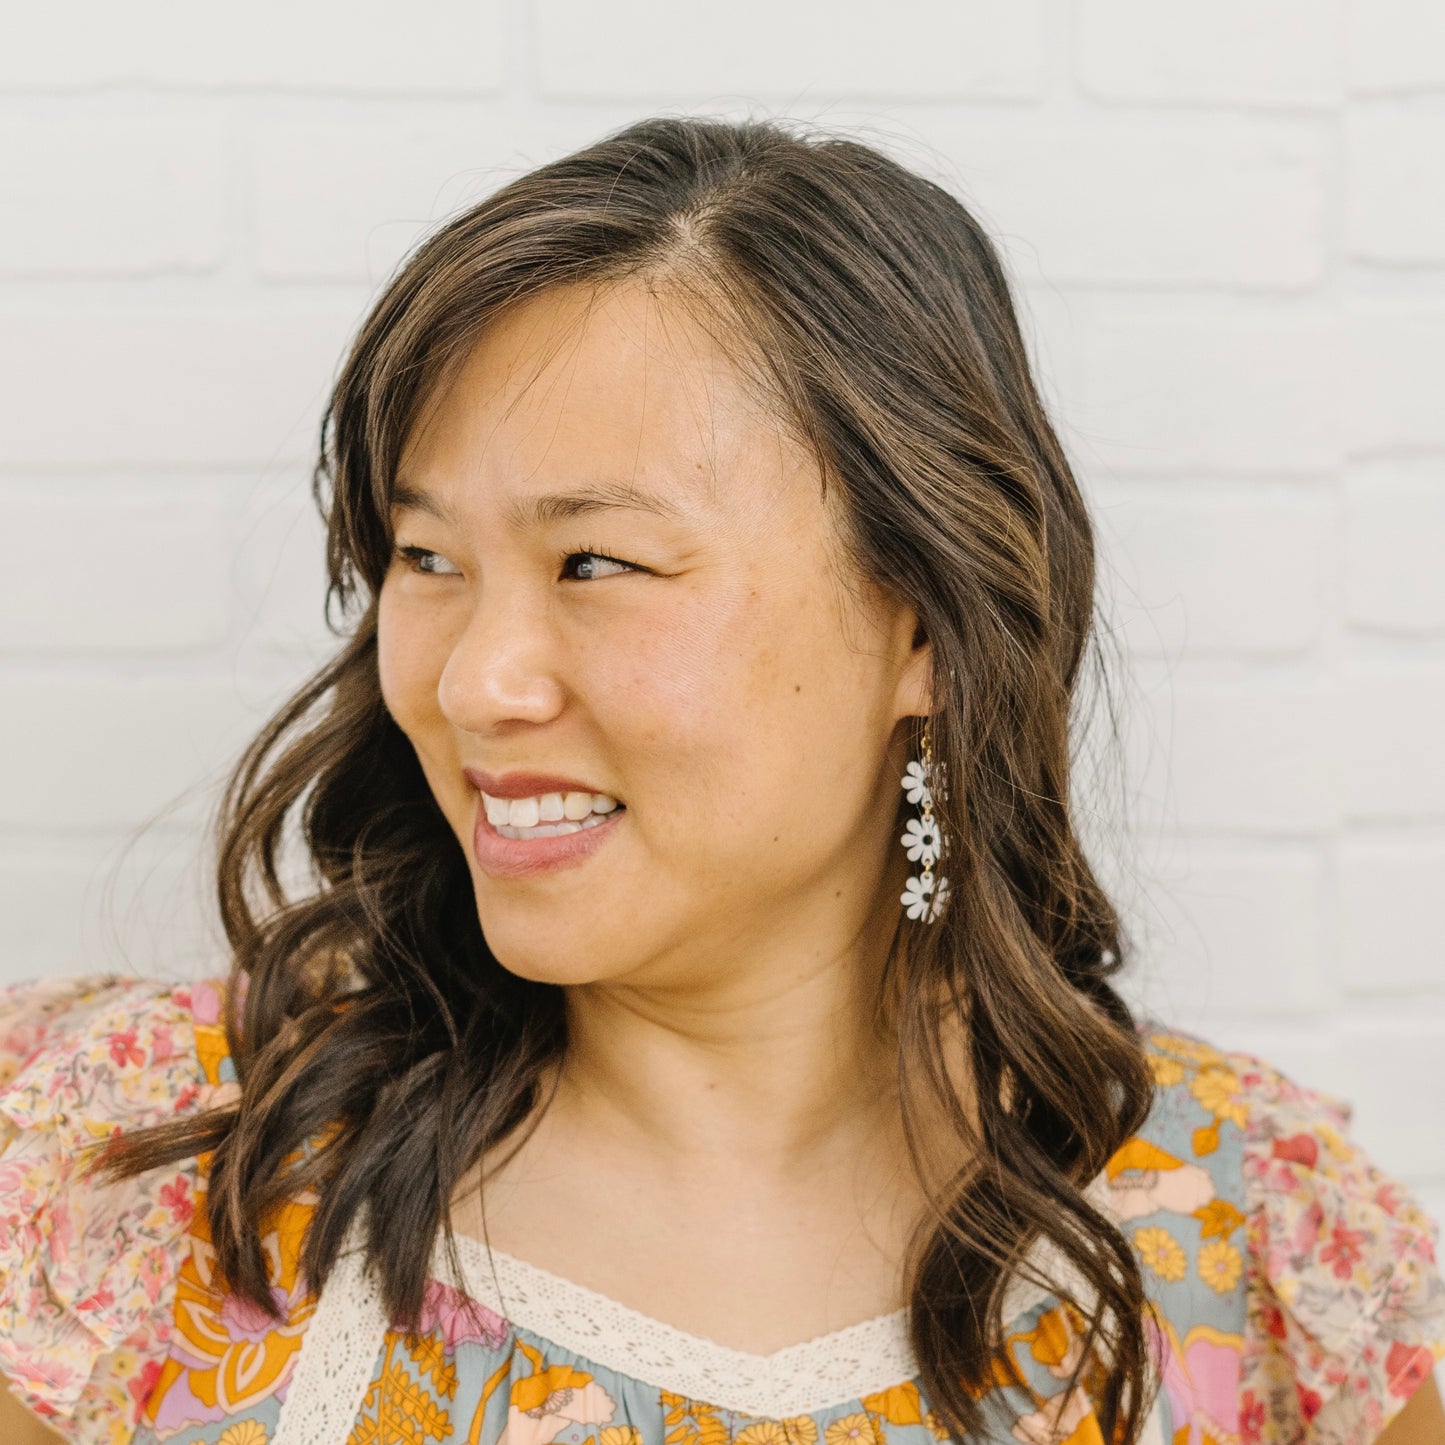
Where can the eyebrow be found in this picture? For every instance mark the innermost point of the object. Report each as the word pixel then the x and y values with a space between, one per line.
pixel 550 507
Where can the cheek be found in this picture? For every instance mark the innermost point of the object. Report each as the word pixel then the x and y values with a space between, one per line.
pixel 409 661
pixel 727 698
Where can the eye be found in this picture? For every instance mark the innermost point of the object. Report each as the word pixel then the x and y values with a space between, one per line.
pixel 591 566
pixel 416 560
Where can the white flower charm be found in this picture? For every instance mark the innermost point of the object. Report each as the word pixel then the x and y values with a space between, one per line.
pixel 920 837
pixel 915 784
pixel 923 839
pixel 916 896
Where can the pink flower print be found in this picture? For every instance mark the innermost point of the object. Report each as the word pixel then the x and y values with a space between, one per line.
pixel 176 1196
pixel 1056 1420
pixel 243 1319
pixel 1343 1249
pixel 1307 1231
pixel 1201 1381
pixel 54 1374
pixel 205 1002
pixel 163 1046
pixel 588 1404
pixel 1181 1189
pixel 153 1274
pixel 458 1319
pixel 124 1049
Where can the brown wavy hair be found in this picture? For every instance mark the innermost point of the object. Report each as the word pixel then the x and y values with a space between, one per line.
pixel 873 310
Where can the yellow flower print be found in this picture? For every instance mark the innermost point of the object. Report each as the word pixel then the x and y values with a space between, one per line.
pixel 763 1432
pixel 850 1430
pixel 622 1435
pixel 801 1430
pixel 1167 1072
pixel 244 1432
pixel 899 1405
pixel 1218 1091
pixel 691 1422
pixel 1190 1050
pixel 1218 1216
pixel 1220 1264
pixel 1161 1252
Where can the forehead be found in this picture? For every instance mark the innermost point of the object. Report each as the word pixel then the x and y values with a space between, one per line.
pixel 615 386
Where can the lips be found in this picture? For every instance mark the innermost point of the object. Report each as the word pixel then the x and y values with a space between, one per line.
pixel 549 849
pixel 524 785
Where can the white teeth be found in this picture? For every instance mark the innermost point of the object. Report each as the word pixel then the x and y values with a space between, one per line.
pixel 576 806
pixel 547 815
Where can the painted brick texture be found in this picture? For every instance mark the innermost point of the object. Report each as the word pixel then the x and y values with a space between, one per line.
pixel 1227 226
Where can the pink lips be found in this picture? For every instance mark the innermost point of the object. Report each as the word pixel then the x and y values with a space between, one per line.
pixel 525 857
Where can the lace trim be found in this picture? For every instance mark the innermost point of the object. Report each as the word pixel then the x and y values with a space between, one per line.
pixel 337 1359
pixel 832 1369
pixel 796 1380
pixel 347 1333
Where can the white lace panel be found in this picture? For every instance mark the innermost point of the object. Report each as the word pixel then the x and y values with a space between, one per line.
pixel 794 1381
pixel 347 1333
pixel 337 1359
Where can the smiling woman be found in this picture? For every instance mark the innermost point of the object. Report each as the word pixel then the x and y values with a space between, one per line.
pixel 616 1083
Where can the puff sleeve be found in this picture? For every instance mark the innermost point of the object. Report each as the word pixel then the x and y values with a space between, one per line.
pixel 88 1266
pixel 1345 1304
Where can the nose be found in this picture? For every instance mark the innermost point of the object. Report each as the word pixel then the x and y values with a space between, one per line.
pixel 503 667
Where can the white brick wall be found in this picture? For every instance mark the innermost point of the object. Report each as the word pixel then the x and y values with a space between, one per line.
pixel 1228 227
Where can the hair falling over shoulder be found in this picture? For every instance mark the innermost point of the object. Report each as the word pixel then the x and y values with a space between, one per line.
pixel 874 312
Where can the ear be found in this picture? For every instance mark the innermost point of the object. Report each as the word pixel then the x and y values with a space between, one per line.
pixel 914 693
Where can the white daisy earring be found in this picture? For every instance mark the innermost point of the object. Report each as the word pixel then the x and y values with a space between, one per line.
pixel 922 897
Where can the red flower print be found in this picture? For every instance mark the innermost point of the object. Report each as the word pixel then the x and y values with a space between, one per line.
pixel 101 1299
pixel 1251 1417
pixel 142 1383
pixel 1298 1149
pixel 124 1049
pixel 1343 1249
pixel 1406 1366
pixel 1309 1402
pixel 176 1196
pixel 1272 1319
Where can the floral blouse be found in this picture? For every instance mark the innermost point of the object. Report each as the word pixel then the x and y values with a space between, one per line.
pixel 1294 1294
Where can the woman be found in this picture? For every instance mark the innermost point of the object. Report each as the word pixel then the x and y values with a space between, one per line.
pixel 621 1077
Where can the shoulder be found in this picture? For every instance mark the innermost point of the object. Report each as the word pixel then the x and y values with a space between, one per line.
pixel 1286 1265
pixel 88 1264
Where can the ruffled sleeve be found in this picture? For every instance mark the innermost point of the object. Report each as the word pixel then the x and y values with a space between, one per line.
pixel 88 1266
pixel 1345 1304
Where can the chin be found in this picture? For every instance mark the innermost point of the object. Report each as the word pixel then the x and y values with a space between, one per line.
pixel 567 956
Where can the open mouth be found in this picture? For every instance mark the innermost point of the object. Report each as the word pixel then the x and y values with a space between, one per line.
pixel 548 815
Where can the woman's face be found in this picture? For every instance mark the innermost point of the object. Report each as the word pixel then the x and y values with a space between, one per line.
pixel 620 580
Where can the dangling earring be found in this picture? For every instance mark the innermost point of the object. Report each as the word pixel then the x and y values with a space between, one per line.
pixel 922 838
